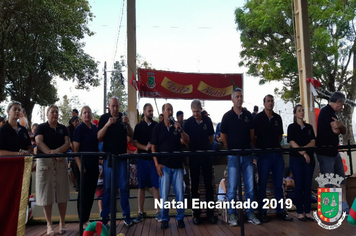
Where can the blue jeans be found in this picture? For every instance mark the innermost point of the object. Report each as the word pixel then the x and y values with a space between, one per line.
pixel 270 162
pixel 121 176
pixel 332 165
pixel 172 177
pixel 302 175
pixel 233 171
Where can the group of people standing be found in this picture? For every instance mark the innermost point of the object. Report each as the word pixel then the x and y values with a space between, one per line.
pixel 239 130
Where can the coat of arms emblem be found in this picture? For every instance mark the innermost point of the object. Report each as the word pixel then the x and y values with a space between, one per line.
pixel 151 83
pixel 329 202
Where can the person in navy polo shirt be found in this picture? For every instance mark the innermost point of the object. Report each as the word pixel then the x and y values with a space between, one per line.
pixel 85 139
pixel 14 138
pixel 302 163
pixel 146 169
pixel 114 128
pixel 329 128
pixel 237 133
pixel 166 138
pixel 201 134
pixel 268 133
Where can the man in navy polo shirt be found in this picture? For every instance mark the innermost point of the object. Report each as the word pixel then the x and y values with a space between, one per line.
pixel 166 138
pixel 268 132
pixel 329 128
pixel 146 169
pixel 113 131
pixel 201 134
pixel 237 133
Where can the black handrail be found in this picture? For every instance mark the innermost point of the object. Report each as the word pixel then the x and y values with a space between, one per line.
pixel 343 148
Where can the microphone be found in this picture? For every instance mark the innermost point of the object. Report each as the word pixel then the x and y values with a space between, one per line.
pixel 124 123
pixel 171 118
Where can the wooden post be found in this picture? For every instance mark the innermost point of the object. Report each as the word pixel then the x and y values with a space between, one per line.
pixel 131 60
pixel 304 59
pixel 105 88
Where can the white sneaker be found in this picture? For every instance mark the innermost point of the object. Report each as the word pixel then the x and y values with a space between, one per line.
pixel 253 219
pixel 233 220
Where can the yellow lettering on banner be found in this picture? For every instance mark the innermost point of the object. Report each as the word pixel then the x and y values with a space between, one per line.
pixel 215 92
pixel 176 88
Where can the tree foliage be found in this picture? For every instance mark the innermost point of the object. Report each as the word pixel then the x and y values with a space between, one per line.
pixel 66 107
pixel 269 46
pixel 117 80
pixel 40 40
pixel 117 84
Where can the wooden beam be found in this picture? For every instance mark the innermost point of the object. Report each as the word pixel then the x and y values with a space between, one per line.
pixel 131 60
pixel 304 59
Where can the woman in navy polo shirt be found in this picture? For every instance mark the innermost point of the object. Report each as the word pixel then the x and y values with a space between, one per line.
pixel 85 140
pixel 52 185
pixel 302 163
pixel 14 138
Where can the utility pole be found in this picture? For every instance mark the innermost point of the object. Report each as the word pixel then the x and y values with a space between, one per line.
pixel 131 60
pixel 105 88
pixel 304 59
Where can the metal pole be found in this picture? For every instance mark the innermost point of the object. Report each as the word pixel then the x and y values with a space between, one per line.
pixel 350 157
pixel 113 194
pixel 241 211
pixel 105 87
pixel 81 195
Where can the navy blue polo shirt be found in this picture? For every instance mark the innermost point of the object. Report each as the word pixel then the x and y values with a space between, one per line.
pixel 143 134
pixel 88 139
pixel 167 140
pixel 237 129
pixel 325 134
pixel 199 133
pixel 53 138
pixel 115 140
pixel 268 130
pixel 13 141
pixel 301 135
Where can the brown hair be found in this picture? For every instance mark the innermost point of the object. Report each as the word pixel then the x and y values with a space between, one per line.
pixel 295 111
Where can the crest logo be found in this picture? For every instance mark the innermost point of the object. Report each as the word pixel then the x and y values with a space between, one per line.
pixel 329 202
pixel 246 119
pixel 151 83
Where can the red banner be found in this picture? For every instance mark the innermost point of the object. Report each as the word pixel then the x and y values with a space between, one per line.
pixel 167 84
pixel 15 175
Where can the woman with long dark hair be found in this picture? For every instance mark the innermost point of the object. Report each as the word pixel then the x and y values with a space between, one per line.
pixel 302 163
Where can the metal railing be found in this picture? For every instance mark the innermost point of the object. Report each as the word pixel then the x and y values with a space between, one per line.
pixel 209 153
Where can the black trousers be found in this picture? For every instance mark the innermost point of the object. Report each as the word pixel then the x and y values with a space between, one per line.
pixel 90 182
pixel 204 164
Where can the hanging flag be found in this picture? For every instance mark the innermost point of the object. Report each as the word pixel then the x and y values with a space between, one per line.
pixel 168 84
pixel 14 181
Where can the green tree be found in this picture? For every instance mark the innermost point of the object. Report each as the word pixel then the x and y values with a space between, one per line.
pixel 66 107
pixel 117 84
pixel 269 46
pixel 65 111
pixel 40 40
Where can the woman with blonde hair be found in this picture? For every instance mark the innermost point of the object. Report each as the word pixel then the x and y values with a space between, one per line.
pixel 85 140
pixel 51 173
